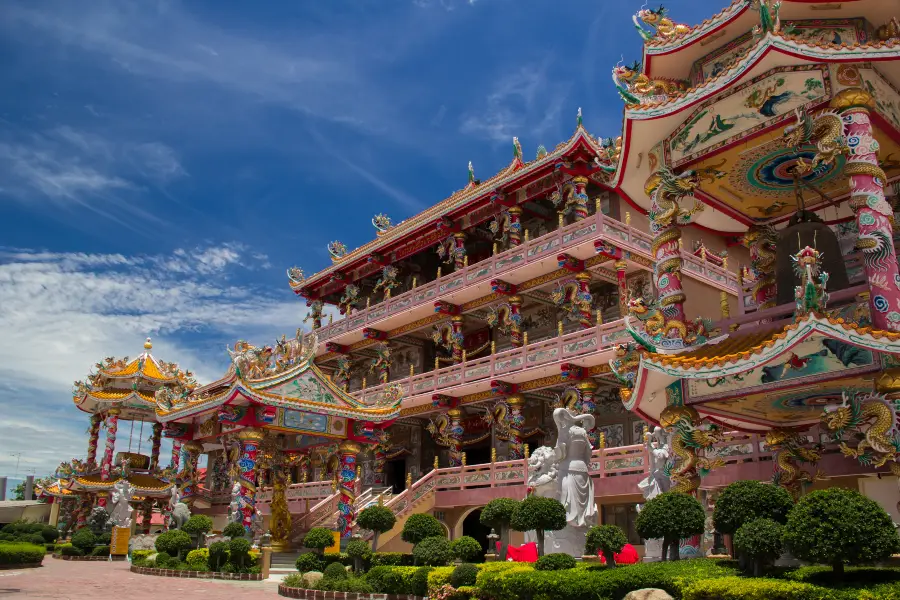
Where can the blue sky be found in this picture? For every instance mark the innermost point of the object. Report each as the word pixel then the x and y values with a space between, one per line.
pixel 162 163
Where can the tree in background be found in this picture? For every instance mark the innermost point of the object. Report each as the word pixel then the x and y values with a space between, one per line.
pixel 539 514
pixel 497 515
pixel 376 519
pixel 671 516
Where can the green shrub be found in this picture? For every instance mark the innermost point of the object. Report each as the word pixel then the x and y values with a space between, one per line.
pixel 100 551
pixel 293 580
pixel 377 519
pixel 464 574
pixel 239 553
pixel 50 547
pixel 198 559
pixel 539 514
pixel 21 554
pixel 49 533
pixel 7 537
pixel 309 561
pixel 84 540
pixel 555 562
pixel 172 542
pixel 738 588
pixel 838 526
pixel 32 538
pixel 418 583
pixel 466 549
pixel 218 555
pixel 745 501
pixel 233 530
pixel 761 540
pixel 318 539
pixel 391 580
pixel 339 557
pixel 70 550
pixel 391 559
pixel 357 585
pixel 420 526
pixel 198 525
pixel 439 577
pixel 359 553
pixel 671 516
pixel 164 560
pixel 607 539
pixel 498 515
pixel 335 571
pixel 432 552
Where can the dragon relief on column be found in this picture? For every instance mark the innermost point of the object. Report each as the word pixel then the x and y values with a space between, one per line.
pixel 503 320
pixel 449 252
pixel 446 433
pixel 875 417
pixel 761 240
pixel 501 226
pixel 343 366
pixel 448 339
pixel 625 367
pixel 497 416
pixel 789 448
pixel 635 87
pixel 388 280
pixel 570 399
pixel 567 198
pixel 349 299
pixel 825 131
pixel 688 440
pixel 576 305
pixel 382 361
pixel 657 327
pixel 661 26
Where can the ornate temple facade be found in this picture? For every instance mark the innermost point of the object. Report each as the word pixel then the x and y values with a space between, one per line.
pixel 724 269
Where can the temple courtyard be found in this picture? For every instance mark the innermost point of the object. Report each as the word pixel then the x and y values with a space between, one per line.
pixel 67 580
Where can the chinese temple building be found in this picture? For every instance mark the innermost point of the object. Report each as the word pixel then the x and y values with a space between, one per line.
pixel 724 269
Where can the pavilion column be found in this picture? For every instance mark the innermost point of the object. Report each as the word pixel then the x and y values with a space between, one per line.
pixel 193 450
pixel 250 439
pixel 303 469
pixel 93 438
pixel 516 422
pixel 176 455
pixel 112 425
pixel 666 254
pixel 317 470
pixel 154 450
pixel 580 198
pixel 621 283
pixel 761 242
pixel 457 338
pixel 380 461
pixel 515 226
pixel 148 514
pixel 347 487
pixel 84 509
pixel 584 281
pixel 454 434
pixel 586 390
pixel 874 216
pixel 515 316
pixel 459 250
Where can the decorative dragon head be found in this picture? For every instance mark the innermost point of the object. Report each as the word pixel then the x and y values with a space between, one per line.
pixel 652 17
pixel 295 275
pixel 382 222
pixel 337 250
pixel 627 73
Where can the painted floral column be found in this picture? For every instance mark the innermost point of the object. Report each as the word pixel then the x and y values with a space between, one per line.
pixel 154 449
pixel 112 426
pixel 622 284
pixel 459 340
pixel 250 439
pixel 93 437
pixel 873 213
pixel 459 251
pixel 585 299
pixel 454 434
pixel 193 450
pixel 515 226
pixel 148 515
pixel 176 455
pixel 761 241
pixel 516 423
pixel 347 487
pixel 586 390
pixel 515 328
pixel 581 198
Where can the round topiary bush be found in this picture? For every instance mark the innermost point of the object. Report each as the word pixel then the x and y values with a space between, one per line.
pixel 164 561
pixel 418 582
pixel 497 515
pixel 466 549
pixel 69 550
pixel 173 542
pixel 198 525
pixel 218 555
pixel 607 539
pixel 539 514
pixel 432 552
pixel 198 560
pixel 32 538
pixel 376 519
pixel 318 539
pixel 335 571
pixel 234 530
pixel 100 551
pixel 239 552
pixel 837 527
pixel 360 552
pixel 309 561
pixel 420 526
pixel 760 540
pixel 745 501
pixel 464 574
pixel 670 516
pixel 85 540
pixel 555 562
pixel 49 533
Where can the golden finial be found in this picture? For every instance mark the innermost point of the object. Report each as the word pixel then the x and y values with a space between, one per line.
pixel 437 363
pixel 466 260
pixel 725 263
pixel 330 318
pixel 387 294
pixel 358 471
pixel 562 219
pixel 412 370
pixel 723 303
pixel 599 317
pixel 364 383
pixel 559 328
pixel 493 347
pixel 527 451
pixel 702 252
pixel 495 249
pixel 464 355
pixel 333 485
pixel 463 459
pixel 525 339
pixel 438 273
pixel 414 281
pixel 627 218
pixel 602 440
pixel 598 205
pixel 680 243
pixel 493 455
pixel 368 302
pixel 380 499
pixel 148 345
pixel 435 463
pixel 408 480
pixel 526 235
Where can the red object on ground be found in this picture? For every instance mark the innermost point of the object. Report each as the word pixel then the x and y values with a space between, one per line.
pixel 628 556
pixel 524 553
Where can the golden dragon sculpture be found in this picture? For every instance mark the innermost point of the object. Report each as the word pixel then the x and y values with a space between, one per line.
pixel 874 413
pixel 761 240
pixel 789 450
pixel 687 441
pixel 825 131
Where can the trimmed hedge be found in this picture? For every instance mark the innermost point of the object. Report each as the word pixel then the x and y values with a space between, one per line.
pixel 21 554
pixel 391 559
pixel 740 588
pixel 100 551
pixel 309 561
pixel 555 562
pixel 420 526
pixel 464 574
pixel 70 550
pixel 433 552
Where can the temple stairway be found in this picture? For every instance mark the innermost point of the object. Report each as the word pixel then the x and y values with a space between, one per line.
pixel 283 563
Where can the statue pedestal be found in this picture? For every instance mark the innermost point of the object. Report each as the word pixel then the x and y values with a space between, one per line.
pixel 652 550
pixel 118 542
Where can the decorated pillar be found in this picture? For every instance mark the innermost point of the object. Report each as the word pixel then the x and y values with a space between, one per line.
pixel 347 487
pixel 515 226
pixel 874 215
pixel 622 284
pixel 459 250
pixel 154 449
pixel 250 439
pixel 193 450
pixel 665 189
pixel 580 198
pixel 761 240
pixel 93 437
pixel 148 515
pixel 515 317
pixel 454 434
pixel 112 425
pixel 457 338
pixel 586 390
pixel 176 455
pixel 516 423
pixel 84 509
pixel 584 299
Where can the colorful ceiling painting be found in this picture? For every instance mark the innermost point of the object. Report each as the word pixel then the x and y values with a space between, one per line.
pixel 798 406
pixel 306 387
pixel 718 60
pixel 747 109
pixel 813 359
pixel 887 99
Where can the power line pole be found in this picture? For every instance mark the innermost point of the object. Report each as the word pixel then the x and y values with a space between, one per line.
pixel 18 456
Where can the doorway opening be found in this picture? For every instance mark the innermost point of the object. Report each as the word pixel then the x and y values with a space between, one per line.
pixel 396 470
pixel 472 527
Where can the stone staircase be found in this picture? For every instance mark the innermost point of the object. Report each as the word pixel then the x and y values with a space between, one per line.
pixel 283 563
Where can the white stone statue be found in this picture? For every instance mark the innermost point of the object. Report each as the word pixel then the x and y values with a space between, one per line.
pixel 121 508
pixel 656 482
pixel 234 509
pixel 179 513
pixel 564 473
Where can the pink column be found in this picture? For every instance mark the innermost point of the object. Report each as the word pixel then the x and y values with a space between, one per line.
pixel 347 487
pixel 622 284
pixel 581 198
pixel 112 425
pixel 250 439
pixel 154 451
pixel 459 251
pixel 515 226
pixel 873 213
pixel 515 329
pixel 516 422
pixel 455 434
pixel 94 436
pixel 666 253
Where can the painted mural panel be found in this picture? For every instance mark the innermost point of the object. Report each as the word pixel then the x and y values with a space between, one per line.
pixel 831 31
pixel 807 361
pixel 304 387
pixel 746 109
pixel 887 100
pixel 719 60
pixel 295 419
pixel 615 434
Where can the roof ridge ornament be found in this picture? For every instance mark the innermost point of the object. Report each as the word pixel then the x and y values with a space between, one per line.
pixel 337 250
pixel 661 26
pixel 517 154
pixel 382 223
pixel 579 122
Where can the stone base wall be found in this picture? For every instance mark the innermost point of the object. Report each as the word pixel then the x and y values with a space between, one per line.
pixel 305 594
pixel 196 574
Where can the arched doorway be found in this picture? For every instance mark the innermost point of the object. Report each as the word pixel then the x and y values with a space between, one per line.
pixel 472 527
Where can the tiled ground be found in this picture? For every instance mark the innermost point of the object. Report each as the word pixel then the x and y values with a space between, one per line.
pixel 66 580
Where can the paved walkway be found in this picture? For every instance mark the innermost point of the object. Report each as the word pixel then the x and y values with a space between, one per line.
pixel 68 580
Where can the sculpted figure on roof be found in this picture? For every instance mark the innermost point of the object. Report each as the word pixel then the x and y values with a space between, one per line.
pixel 635 87
pixel 661 26
pixel 250 362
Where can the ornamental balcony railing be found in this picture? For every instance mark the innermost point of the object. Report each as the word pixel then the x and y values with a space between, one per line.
pixel 312 490
pixel 598 226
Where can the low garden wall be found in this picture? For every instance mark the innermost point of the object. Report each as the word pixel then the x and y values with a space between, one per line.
pixel 196 574
pixel 305 594
pixel 89 558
